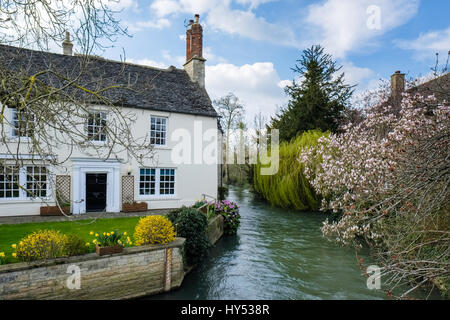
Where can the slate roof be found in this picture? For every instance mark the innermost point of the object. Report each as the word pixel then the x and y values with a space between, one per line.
pixel 169 90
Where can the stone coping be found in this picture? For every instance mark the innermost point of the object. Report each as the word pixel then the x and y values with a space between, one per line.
pixel 179 242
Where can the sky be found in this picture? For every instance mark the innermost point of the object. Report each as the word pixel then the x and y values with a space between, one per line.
pixel 251 45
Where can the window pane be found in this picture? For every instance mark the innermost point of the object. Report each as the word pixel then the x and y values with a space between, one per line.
pixel 158 130
pixel 146 186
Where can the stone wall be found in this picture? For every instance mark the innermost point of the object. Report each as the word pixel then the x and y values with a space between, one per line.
pixel 137 271
pixel 214 231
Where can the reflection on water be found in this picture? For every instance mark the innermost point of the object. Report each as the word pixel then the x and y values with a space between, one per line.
pixel 277 254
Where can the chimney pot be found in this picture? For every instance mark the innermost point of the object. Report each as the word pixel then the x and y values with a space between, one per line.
pixel 397 88
pixel 67 45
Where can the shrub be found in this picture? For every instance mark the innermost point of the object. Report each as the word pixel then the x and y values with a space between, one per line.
pixel 42 244
pixel 191 224
pixel 174 214
pixel 154 230
pixel 289 188
pixel 230 212
pixel 75 245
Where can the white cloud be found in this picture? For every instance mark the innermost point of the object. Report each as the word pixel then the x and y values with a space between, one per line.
pixel 247 24
pixel 121 4
pixel 221 17
pixel 148 62
pixel 253 3
pixel 163 8
pixel 427 43
pixel 153 24
pixel 342 25
pixel 256 85
pixel 354 74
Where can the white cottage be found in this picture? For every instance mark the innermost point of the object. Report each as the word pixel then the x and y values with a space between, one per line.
pixel 164 100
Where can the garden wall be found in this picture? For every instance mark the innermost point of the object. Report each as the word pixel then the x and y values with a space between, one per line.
pixel 137 271
pixel 214 231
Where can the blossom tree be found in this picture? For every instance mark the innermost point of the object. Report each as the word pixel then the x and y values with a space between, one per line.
pixel 387 179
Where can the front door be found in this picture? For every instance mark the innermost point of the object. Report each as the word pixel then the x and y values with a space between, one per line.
pixel 96 192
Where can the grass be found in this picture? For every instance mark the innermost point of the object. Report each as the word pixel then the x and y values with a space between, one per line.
pixel 13 233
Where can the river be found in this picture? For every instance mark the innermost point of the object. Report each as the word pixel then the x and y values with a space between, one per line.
pixel 277 254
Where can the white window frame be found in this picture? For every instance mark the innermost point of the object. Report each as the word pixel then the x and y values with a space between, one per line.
pixel 23 194
pixel 94 112
pixel 165 132
pixel 14 113
pixel 158 184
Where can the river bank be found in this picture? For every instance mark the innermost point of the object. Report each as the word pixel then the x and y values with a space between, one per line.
pixel 277 254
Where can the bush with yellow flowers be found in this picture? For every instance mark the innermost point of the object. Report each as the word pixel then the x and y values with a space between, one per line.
pixel 154 230
pixel 42 244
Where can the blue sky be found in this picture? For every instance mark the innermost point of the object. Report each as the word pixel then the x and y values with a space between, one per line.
pixel 251 45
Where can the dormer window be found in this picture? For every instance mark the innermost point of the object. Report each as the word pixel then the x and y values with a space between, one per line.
pixel 22 124
pixel 158 131
pixel 96 126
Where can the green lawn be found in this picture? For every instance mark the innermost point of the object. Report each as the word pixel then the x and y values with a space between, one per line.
pixel 13 233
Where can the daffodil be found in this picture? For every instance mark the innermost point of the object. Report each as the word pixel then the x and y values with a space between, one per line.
pixel 91 233
pixel 2 254
pixel 124 233
pixel 112 232
pixel 96 234
pixel 104 233
pixel 14 255
pixel 14 246
pixel 108 234
pixel 87 244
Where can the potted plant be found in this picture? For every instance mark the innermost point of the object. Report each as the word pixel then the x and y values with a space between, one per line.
pixel 132 206
pixel 109 242
pixel 62 206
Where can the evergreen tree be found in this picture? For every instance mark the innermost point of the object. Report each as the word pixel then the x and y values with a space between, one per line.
pixel 318 101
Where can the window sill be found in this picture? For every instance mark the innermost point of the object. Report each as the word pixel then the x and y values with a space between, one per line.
pixel 158 198
pixel 161 147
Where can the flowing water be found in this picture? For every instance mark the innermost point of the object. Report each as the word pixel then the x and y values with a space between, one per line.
pixel 277 254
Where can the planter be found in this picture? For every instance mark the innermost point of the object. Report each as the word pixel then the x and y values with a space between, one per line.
pixel 134 207
pixel 54 211
pixel 102 251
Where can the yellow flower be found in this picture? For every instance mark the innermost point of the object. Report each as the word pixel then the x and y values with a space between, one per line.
pixel 119 242
pixel 124 233
pixel 91 233
pixel 112 232
pixel 104 233
pixel 87 244
pixel 21 243
pixel 14 255
pixel 108 234
pixel 94 241
pixel 130 243
pixel 96 234
pixel 14 246
pixel 2 254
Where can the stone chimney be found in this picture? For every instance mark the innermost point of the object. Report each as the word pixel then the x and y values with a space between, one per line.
pixel 67 45
pixel 397 88
pixel 195 63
